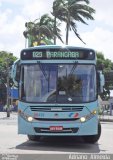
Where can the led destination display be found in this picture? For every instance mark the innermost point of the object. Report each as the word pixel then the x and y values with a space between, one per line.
pixel 57 54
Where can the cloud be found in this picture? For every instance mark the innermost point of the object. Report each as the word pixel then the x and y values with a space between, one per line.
pixel 4 16
pixel 13 15
pixel 13 18
pixel 34 9
pixel 15 2
pixel 11 34
pixel 104 11
pixel 98 39
pixel 101 40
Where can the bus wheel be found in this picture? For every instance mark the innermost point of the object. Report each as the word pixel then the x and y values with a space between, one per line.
pixel 93 138
pixel 33 138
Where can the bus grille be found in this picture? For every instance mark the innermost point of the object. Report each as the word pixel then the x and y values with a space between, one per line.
pixel 47 130
pixel 58 109
pixel 56 119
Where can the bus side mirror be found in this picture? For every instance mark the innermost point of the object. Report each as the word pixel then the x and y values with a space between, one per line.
pixel 101 81
pixel 17 76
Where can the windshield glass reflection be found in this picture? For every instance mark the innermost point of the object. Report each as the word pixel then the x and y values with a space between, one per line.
pixel 58 83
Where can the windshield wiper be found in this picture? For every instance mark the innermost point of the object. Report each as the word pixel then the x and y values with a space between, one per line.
pixel 73 68
pixel 44 72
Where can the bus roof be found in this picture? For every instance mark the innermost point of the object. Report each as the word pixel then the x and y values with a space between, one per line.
pixel 57 46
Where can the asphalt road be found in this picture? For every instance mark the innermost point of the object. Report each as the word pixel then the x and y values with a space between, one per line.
pixel 12 143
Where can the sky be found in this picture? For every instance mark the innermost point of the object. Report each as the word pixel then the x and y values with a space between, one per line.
pixel 98 34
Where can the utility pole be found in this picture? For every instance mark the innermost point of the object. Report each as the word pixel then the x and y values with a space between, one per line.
pixel 8 102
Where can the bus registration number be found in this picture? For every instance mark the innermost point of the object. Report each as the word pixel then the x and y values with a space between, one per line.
pixel 56 128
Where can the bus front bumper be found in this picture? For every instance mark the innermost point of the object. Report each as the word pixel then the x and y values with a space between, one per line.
pixel 58 128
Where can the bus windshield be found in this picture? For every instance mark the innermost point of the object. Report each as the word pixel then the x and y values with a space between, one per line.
pixel 58 83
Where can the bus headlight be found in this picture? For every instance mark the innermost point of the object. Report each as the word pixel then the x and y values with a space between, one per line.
pixel 82 119
pixel 89 116
pixel 25 116
pixel 30 119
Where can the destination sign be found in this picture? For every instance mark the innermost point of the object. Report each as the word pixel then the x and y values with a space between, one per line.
pixel 59 54
pixel 38 54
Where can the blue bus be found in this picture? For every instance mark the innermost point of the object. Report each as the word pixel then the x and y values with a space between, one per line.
pixel 58 92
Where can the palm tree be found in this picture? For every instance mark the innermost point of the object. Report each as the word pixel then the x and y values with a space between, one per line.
pixel 49 22
pixel 70 11
pixel 41 30
pixel 57 13
pixel 30 32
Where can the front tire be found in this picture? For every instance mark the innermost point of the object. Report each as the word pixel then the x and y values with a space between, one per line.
pixel 33 138
pixel 93 138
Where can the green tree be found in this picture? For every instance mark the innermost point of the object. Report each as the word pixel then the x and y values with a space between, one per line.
pixel 41 30
pixel 57 12
pixel 6 60
pixel 71 11
pixel 107 66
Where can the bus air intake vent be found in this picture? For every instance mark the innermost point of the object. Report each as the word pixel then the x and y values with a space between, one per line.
pixel 54 109
pixel 47 130
pixel 56 119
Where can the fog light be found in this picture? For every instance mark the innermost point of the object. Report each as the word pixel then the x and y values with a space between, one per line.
pixel 30 119
pixel 82 119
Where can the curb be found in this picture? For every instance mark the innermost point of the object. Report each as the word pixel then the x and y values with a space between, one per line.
pixel 106 120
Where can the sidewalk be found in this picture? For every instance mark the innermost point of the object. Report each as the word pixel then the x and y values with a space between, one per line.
pixel 106 118
pixel 3 115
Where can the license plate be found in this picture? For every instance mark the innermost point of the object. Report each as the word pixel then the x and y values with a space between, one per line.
pixel 56 128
